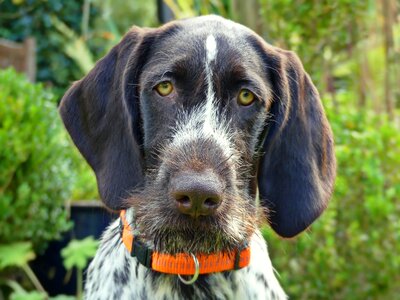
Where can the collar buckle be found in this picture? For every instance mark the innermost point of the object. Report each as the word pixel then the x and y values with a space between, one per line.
pixel 142 253
pixel 238 252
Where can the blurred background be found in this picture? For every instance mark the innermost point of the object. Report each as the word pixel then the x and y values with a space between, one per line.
pixel 49 215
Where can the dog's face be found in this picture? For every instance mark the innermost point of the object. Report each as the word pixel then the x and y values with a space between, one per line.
pixel 186 122
pixel 204 101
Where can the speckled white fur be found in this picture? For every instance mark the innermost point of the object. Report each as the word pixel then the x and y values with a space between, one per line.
pixel 114 274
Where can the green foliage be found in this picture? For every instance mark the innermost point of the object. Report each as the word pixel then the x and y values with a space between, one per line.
pixel 15 254
pixel 62 58
pixel 84 186
pixel 117 16
pixel 35 178
pixel 75 46
pixel 63 297
pixel 20 19
pixel 23 295
pixel 191 8
pixel 19 293
pixel 310 27
pixel 78 253
pixel 352 251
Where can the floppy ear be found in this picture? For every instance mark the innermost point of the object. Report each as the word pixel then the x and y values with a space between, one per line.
pixel 101 113
pixel 297 170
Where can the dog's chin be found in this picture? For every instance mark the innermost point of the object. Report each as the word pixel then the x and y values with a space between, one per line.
pixel 201 235
pixel 163 228
pixel 178 241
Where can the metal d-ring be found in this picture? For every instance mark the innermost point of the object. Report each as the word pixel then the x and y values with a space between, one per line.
pixel 196 272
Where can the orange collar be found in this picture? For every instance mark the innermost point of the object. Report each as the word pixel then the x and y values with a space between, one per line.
pixel 181 263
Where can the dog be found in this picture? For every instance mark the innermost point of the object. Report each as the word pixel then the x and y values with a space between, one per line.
pixel 186 126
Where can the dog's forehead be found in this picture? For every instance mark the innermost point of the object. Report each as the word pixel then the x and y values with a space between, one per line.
pixel 200 27
pixel 198 40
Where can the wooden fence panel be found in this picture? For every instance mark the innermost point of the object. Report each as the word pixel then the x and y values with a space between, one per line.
pixel 21 56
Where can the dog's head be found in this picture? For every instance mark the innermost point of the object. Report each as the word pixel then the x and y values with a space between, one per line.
pixel 190 120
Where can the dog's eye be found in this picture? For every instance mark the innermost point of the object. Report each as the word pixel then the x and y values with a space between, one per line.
pixel 164 88
pixel 246 97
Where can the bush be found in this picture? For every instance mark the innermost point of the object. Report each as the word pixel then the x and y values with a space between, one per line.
pixel 21 19
pixel 107 21
pixel 352 251
pixel 35 174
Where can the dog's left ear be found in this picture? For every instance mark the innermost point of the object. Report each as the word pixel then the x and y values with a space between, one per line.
pixel 101 113
pixel 297 170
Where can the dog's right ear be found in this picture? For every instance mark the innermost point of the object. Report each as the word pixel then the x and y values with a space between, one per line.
pixel 101 113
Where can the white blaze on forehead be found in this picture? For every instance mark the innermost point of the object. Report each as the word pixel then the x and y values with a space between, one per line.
pixel 203 121
pixel 211 47
pixel 209 112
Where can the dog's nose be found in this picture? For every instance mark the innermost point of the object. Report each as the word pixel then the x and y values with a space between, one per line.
pixel 196 193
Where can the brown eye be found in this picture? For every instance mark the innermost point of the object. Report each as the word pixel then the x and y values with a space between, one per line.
pixel 246 97
pixel 164 88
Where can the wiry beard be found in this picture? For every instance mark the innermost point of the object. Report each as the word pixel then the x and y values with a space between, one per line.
pixel 162 227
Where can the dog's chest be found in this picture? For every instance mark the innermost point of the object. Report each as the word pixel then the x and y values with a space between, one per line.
pixel 113 274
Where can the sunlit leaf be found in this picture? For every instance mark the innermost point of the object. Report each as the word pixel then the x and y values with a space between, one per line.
pixel 33 295
pixel 15 254
pixel 78 252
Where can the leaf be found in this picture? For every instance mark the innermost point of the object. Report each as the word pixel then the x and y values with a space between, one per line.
pixel 22 295
pixel 75 46
pixel 18 2
pixel 63 297
pixel 16 254
pixel 78 252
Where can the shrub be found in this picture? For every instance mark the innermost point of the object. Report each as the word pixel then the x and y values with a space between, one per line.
pixel 107 20
pixel 21 19
pixel 35 174
pixel 352 251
